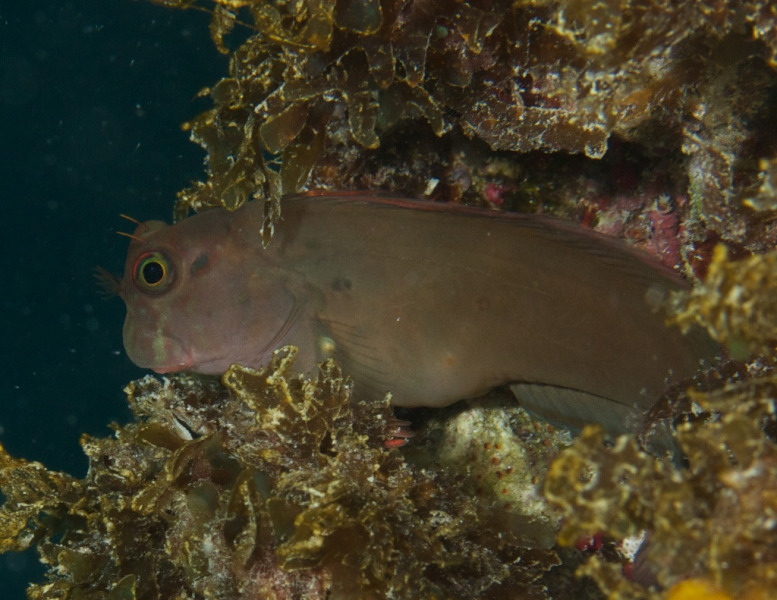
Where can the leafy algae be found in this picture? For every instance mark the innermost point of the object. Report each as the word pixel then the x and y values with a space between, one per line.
pixel 383 94
pixel 266 485
pixel 710 521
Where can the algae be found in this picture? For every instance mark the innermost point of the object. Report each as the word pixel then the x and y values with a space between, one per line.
pixel 736 303
pixel 708 519
pixel 454 100
pixel 268 484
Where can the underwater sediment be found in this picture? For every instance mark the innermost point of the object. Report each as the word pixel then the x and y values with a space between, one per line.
pixel 649 121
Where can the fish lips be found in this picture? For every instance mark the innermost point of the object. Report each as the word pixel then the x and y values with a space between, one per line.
pixel 156 350
pixel 163 352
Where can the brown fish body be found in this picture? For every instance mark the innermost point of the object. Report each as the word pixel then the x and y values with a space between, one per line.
pixel 431 302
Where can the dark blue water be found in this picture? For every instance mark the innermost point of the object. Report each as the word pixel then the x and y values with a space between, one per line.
pixel 92 95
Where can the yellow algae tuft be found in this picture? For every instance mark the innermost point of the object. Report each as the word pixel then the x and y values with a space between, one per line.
pixel 737 303
pixel 696 589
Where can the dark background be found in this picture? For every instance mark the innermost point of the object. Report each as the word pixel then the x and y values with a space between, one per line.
pixel 92 97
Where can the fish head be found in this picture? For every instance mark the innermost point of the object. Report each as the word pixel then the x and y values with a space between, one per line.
pixel 198 300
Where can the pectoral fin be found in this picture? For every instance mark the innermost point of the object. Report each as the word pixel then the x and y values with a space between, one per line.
pixel 359 357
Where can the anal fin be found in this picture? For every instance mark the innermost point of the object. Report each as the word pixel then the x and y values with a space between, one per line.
pixel 573 409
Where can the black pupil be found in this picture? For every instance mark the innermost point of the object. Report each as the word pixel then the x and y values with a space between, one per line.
pixel 153 273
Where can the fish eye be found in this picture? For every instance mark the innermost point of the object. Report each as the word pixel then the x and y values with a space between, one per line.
pixel 152 272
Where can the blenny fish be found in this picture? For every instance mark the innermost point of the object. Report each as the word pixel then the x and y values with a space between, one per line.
pixel 432 302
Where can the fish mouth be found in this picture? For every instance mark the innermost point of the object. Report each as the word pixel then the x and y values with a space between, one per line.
pixel 162 354
pixel 186 364
pixel 211 366
pixel 171 369
pixel 188 361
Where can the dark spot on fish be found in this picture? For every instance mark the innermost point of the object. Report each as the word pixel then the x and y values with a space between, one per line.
pixel 341 284
pixel 199 264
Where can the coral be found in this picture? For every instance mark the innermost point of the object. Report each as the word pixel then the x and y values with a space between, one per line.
pixel 271 485
pixel 497 453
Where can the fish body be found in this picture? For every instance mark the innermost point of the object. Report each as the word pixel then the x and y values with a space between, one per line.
pixel 431 302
